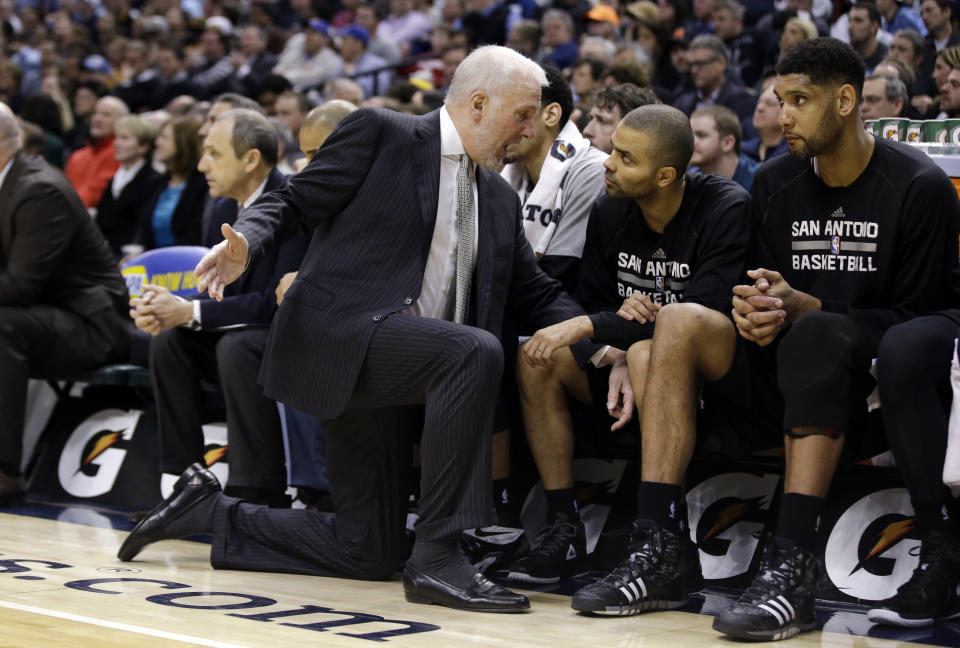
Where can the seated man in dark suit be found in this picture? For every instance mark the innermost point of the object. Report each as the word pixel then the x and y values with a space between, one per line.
pixel 61 294
pixel 239 162
pixel 380 328
pixel 708 68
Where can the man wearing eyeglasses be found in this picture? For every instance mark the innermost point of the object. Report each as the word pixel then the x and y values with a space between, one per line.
pixel 708 69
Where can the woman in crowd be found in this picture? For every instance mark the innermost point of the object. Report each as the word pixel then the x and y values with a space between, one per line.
pixel 117 213
pixel 174 211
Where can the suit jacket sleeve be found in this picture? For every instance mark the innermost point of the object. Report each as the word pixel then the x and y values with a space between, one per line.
pixel 44 229
pixel 320 192
pixel 534 296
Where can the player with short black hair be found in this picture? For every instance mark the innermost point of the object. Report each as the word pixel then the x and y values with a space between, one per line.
pixel 857 234
pixel 663 247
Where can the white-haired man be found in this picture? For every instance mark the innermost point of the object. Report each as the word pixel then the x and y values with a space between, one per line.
pixel 393 317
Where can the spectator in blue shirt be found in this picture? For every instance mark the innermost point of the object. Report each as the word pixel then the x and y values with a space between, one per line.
pixel 897 15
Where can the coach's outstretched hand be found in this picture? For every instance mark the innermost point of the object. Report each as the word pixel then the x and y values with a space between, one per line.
pixel 224 263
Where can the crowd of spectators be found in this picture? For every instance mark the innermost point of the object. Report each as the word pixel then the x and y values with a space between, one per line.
pixel 59 58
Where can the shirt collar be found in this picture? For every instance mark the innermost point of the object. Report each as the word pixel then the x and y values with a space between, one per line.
pixel 132 171
pixel 450 142
pixel 6 170
pixel 256 193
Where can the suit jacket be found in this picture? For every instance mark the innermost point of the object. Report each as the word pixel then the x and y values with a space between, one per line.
pixel 370 198
pixel 187 221
pixel 251 300
pixel 51 252
pixel 119 218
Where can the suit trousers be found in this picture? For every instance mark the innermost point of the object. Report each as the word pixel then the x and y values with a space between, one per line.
pixel 179 360
pixel 449 373
pixel 44 341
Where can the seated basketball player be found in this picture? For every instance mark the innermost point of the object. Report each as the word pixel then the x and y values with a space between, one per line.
pixel 857 234
pixel 674 244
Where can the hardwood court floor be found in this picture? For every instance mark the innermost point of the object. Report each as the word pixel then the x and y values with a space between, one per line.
pixel 59 587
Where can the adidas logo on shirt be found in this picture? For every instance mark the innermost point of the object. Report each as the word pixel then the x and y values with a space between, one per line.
pixel 659 254
pixel 838 213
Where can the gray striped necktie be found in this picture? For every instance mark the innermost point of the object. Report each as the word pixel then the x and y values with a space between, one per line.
pixel 466 235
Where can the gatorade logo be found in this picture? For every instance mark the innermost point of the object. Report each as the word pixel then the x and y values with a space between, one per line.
pixel 868 552
pixel 215 457
pixel 955 135
pixel 725 511
pixel 92 456
pixel 891 132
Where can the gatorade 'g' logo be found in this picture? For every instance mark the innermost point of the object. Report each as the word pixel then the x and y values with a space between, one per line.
pixel 868 553
pixel 955 135
pixel 724 513
pixel 562 150
pixel 92 456
pixel 215 456
pixel 891 132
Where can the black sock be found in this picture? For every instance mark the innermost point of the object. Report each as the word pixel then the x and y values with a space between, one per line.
pixel 799 519
pixel 508 511
pixel 442 559
pixel 662 503
pixel 254 495
pixel 561 502
pixel 935 516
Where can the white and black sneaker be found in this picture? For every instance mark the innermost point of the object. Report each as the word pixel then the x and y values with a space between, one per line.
pixel 933 591
pixel 660 573
pixel 779 602
pixel 560 551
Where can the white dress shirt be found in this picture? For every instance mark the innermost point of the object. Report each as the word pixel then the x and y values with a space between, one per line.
pixel 123 176
pixel 5 171
pixel 438 273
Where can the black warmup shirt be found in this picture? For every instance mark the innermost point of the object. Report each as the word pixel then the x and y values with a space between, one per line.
pixel 882 249
pixel 698 258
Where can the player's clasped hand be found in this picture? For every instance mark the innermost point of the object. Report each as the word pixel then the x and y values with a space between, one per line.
pixel 639 307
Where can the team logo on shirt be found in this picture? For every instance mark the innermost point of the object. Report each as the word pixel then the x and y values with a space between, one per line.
pixel 661 280
pixel 833 244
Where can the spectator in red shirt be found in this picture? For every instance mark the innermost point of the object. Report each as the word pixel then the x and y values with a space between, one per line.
pixel 90 168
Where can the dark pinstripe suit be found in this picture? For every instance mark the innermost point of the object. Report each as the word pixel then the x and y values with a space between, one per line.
pixel 340 348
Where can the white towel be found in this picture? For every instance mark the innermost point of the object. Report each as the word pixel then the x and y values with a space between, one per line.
pixel 542 209
pixel 951 462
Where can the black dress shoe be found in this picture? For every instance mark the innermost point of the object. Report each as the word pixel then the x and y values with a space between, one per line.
pixel 479 595
pixel 187 475
pixel 186 512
